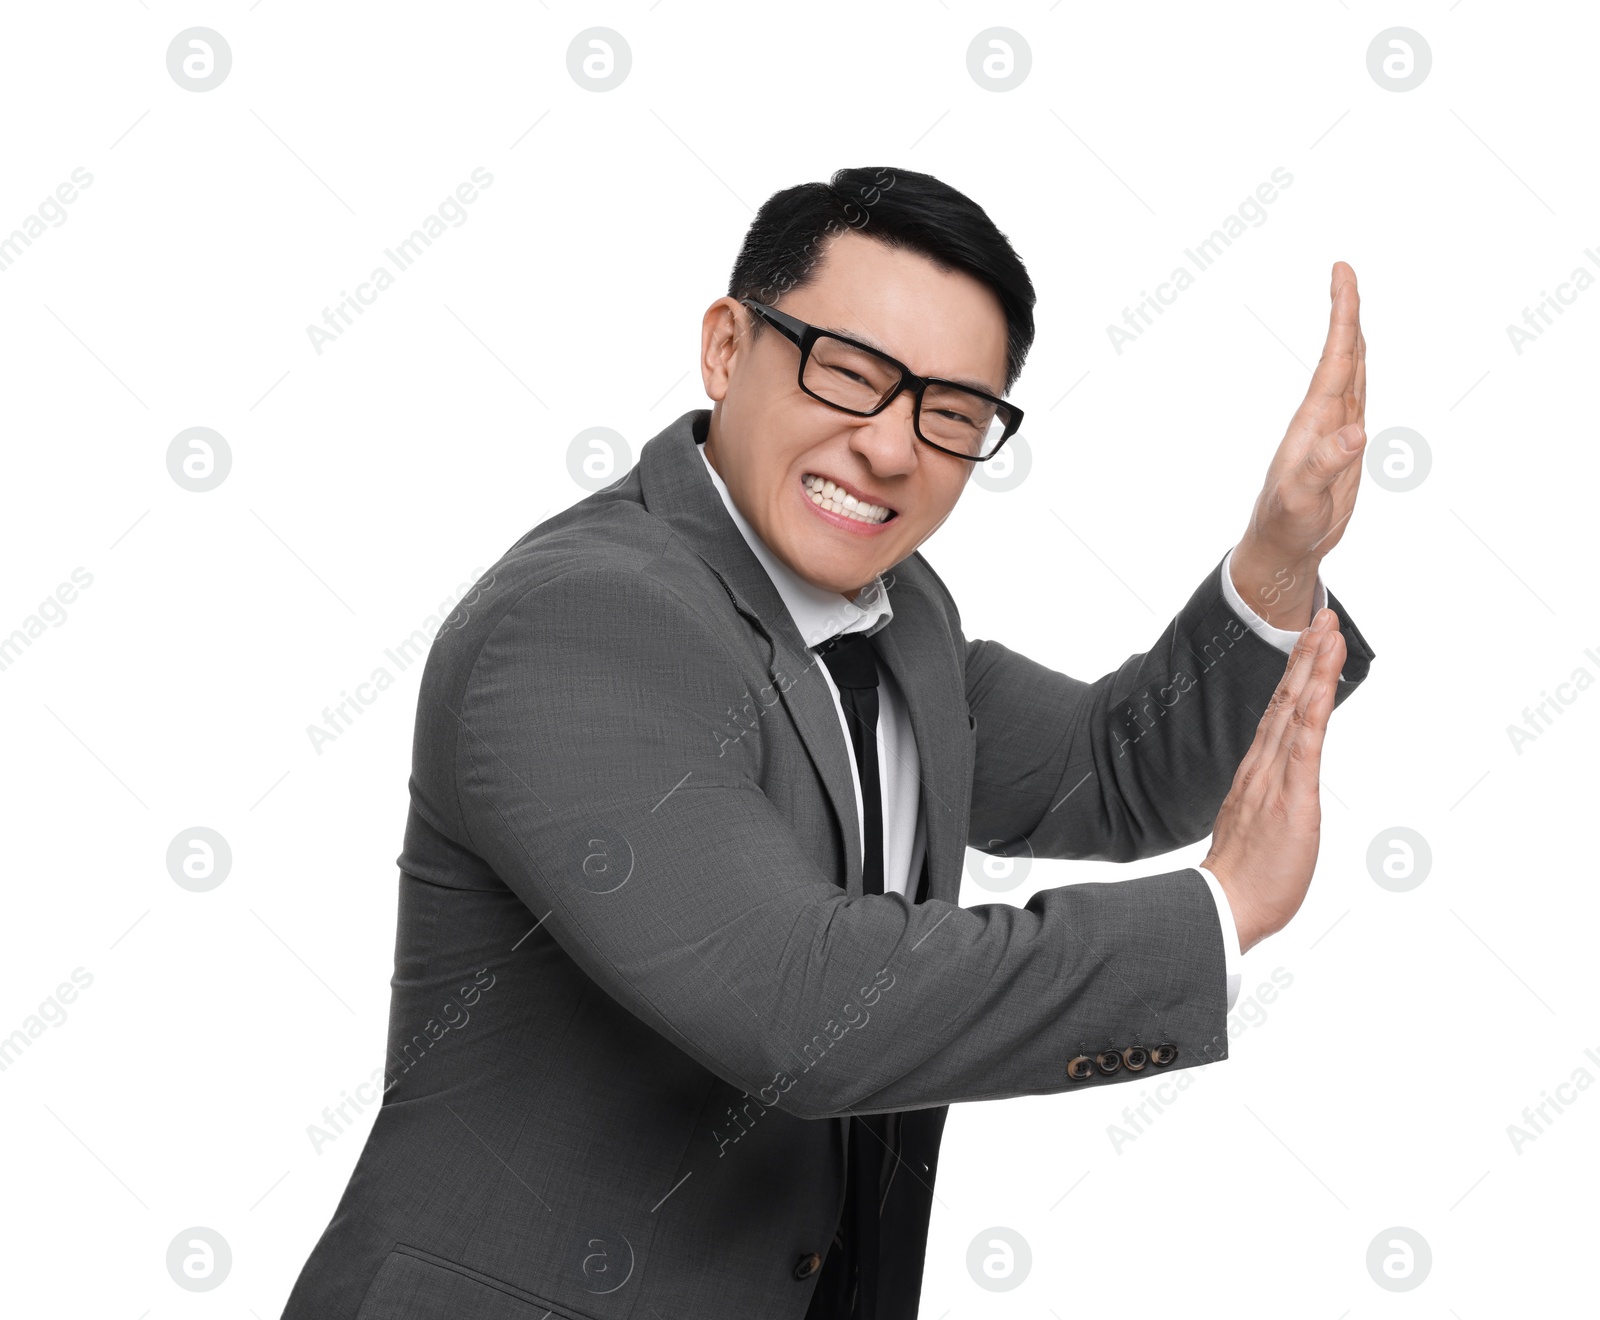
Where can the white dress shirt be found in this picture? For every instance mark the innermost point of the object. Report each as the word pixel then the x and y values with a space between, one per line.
pixel 819 614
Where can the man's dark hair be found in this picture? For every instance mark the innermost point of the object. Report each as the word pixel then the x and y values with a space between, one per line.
pixel 900 208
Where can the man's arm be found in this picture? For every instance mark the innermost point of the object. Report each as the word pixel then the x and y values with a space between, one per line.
pixel 573 738
pixel 1136 763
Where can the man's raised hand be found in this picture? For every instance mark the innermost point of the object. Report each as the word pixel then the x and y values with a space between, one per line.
pixel 1310 488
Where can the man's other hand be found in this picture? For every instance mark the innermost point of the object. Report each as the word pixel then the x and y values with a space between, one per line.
pixel 1264 843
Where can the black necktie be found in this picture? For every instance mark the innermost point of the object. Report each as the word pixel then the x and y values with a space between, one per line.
pixel 854 666
pixel 848 1286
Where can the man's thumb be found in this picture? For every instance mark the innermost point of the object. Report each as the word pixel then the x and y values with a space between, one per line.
pixel 1331 455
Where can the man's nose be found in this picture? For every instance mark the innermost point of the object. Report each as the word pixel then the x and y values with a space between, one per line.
pixel 889 441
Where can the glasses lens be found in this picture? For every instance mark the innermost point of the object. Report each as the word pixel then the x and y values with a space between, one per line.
pixel 848 376
pixel 960 420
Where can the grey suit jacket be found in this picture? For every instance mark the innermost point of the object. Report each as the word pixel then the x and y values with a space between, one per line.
pixel 638 990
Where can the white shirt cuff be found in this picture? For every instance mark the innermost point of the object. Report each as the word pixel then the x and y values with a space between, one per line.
pixel 1283 638
pixel 1230 935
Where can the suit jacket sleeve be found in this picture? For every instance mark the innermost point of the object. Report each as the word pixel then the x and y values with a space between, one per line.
pixel 572 739
pixel 1137 762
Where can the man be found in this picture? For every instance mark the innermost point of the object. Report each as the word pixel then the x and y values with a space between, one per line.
pixel 682 987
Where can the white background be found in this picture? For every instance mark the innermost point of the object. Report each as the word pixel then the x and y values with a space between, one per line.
pixel 372 481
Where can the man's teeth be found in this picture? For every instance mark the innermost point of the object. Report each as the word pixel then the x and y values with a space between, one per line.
pixel 835 500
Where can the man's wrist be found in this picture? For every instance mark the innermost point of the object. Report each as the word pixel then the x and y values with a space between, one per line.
pixel 1247 927
pixel 1279 587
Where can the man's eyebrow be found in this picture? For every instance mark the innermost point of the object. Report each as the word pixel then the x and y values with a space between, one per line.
pixel 969 382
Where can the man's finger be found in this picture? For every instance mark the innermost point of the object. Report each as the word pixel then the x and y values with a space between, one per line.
pixel 1296 673
pixel 1304 664
pixel 1336 368
pixel 1361 375
pixel 1344 311
pixel 1300 756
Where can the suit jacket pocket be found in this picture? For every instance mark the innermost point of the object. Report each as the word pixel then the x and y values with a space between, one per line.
pixel 413 1284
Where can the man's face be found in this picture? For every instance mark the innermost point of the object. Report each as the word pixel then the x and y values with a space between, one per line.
pixel 770 441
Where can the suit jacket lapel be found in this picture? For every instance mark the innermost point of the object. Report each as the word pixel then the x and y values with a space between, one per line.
pixel 917 648
pixel 675 487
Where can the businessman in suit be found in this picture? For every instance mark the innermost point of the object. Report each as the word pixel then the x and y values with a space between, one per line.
pixel 682 985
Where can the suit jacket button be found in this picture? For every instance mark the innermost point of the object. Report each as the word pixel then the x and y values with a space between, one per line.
pixel 1162 1055
pixel 1080 1068
pixel 1135 1057
pixel 806 1266
pixel 1108 1061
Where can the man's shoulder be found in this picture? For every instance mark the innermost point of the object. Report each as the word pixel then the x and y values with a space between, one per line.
pixel 599 536
pixel 586 560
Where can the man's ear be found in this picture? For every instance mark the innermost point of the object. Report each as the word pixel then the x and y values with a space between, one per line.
pixel 722 335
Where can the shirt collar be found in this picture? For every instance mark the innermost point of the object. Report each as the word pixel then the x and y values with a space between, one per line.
pixel 818 613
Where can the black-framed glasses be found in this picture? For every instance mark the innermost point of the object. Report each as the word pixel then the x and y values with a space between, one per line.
pixel 862 381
